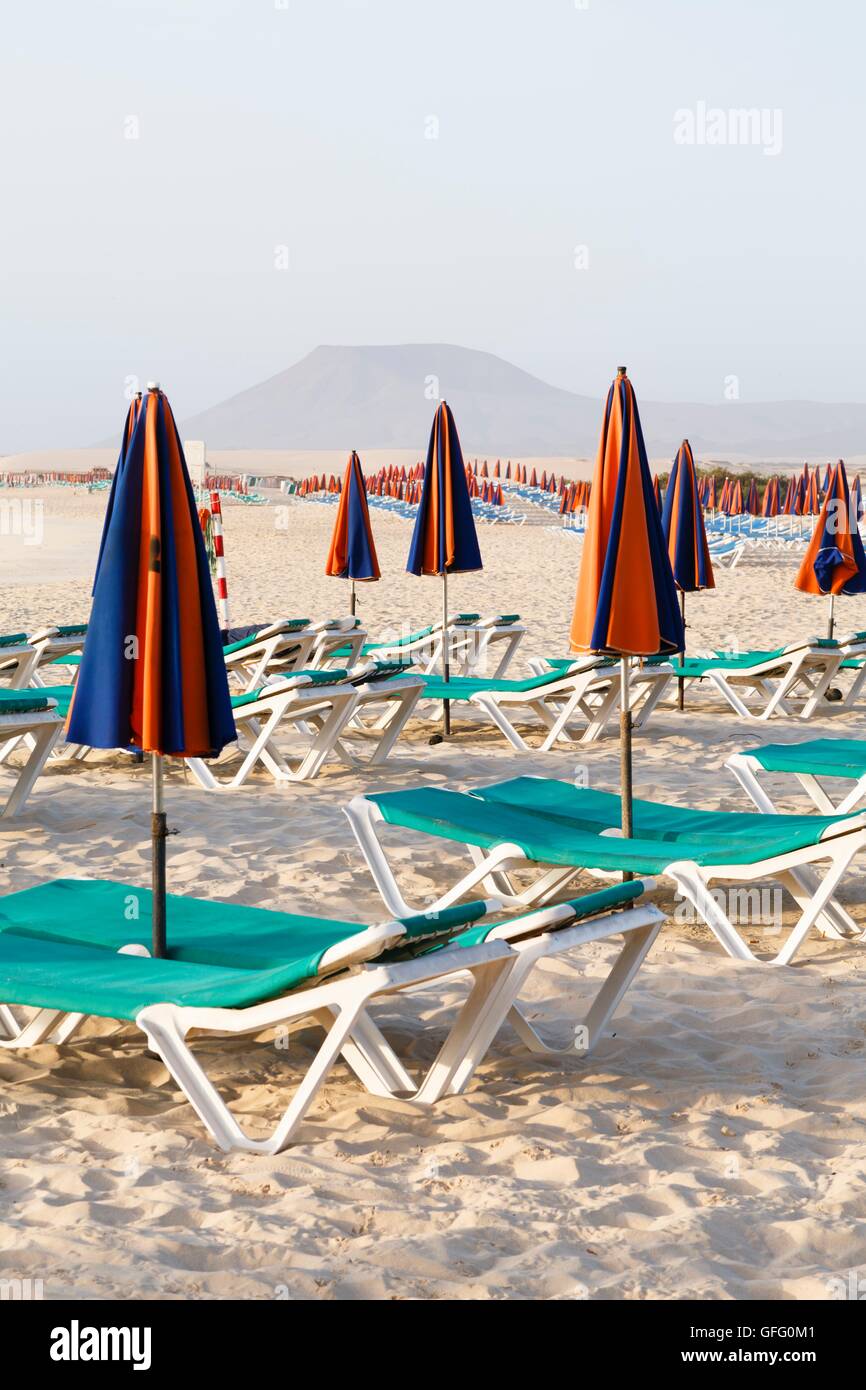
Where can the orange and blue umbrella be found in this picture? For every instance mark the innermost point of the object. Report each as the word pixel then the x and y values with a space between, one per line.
pixel 857 499
pixel 352 553
pixel 152 674
pixel 834 562
pixel 444 540
pixel 626 602
pixel 683 526
pixel 753 502
pixel 770 504
pixel 685 534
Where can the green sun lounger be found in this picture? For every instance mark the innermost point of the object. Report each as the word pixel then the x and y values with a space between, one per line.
pixel 539 821
pixel 76 948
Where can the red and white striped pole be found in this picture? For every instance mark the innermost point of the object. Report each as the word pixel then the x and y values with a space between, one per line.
pixel 219 553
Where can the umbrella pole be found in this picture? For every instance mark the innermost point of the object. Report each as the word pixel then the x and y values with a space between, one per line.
pixel 831 623
pixel 681 683
pixel 625 755
pixel 158 834
pixel 446 654
pixel 352 600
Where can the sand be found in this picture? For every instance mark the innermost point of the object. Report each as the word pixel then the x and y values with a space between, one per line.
pixel 711 1147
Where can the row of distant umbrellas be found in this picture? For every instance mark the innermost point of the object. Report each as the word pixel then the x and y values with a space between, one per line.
pixel 152 675
pixel 801 495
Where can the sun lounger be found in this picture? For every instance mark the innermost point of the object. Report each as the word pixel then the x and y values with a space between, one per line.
pixel 771 680
pixel 32 715
pixel 293 644
pixel 322 706
pixel 69 950
pixel 811 763
pixel 586 690
pixel 561 828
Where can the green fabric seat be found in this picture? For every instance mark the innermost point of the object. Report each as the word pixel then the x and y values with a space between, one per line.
pixel 617 895
pixel 817 757
pixel 536 815
pixel 73 659
pixel 72 629
pixel 313 678
pixel 22 702
pixel 737 836
pixel 14 639
pixel 61 693
pixel 86 979
pixel 464 687
pixel 59 941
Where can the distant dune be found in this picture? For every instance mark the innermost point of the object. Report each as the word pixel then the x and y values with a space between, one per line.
pixel 383 398
pixel 380 401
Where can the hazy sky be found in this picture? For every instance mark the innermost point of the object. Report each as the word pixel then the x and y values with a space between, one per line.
pixel 305 124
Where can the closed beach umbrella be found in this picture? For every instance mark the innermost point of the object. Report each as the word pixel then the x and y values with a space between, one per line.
pixel 657 492
pixel 444 540
pixel 770 504
pixel 753 503
pixel 834 562
pixel 352 554
pixel 626 603
pixel 735 499
pixel 152 673
pixel 685 535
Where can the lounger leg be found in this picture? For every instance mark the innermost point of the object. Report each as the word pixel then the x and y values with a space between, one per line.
pixel 631 957
pixel 687 877
pixel 655 691
pixel 44 741
pixel 162 1025
pixel 472 1031
pixel 491 707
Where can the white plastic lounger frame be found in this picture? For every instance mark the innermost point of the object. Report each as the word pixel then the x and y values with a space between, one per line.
pixel 474 647
pixel 51 646
pixel 41 730
pixel 791 870
pixel 801 671
pixel 318 712
pixel 292 645
pixel 748 770
pixel 383 709
pixel 18 665
pixel 591 690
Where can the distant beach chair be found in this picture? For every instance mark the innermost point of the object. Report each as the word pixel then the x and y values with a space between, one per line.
pixel 330 710
pixel 69 950
pixel 54 646
pixel 571 703
pixel 31 716
pixel 561 829
pixel 759 684
pixel 18 660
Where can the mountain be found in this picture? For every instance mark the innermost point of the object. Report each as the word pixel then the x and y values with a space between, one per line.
pixel 383 397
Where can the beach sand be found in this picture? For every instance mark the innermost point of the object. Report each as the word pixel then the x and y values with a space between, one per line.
pixel 711 1147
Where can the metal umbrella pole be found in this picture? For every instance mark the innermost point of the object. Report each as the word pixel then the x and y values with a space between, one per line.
pixel 625 755
pixel 158 832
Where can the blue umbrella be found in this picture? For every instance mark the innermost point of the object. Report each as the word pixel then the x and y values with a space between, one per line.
pixel 444 540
